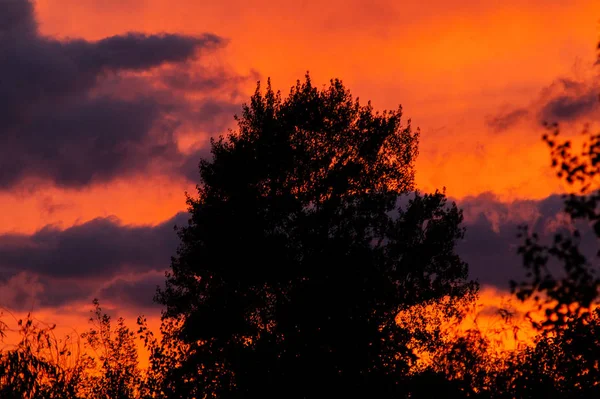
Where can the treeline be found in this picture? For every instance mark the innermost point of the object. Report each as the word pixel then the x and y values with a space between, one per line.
pixel 104 363
pixel 311 267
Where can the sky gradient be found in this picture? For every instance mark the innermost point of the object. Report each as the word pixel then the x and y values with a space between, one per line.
pixel 106 107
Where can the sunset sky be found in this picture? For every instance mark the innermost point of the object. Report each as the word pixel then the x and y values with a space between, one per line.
pixel 106 107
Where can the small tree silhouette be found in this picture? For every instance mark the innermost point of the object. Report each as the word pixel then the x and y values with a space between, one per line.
pixel 40 365
pixel 115 358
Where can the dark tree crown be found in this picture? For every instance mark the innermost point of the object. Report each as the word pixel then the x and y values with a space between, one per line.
pixel 297 257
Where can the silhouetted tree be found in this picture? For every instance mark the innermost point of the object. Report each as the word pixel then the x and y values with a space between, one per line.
pixel 569 290
pixel 166 376
pixel 564 282
pixel 559 365
pixel 39 365
pixel 115 358
pixel 298 257
pixel 460 369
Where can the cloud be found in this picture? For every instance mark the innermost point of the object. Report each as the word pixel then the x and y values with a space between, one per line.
pixel 564 100
pixel 491 242
pixel 135 51
pixel 567 100
pixel 21 291
pixel 101 248
pixel 77 143
pixel 17 19
pixel 27 291
pixel 504 121
pixel 99 259
pixel 570 107
pixel 74 112
pixel 123 264
pixel 135 293
pixel 203 79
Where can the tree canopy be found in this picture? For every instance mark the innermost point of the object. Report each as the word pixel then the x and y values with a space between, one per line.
pixel 306 239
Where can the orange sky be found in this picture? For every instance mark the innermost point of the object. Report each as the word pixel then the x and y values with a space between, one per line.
pixel 453 65
pixel 450 64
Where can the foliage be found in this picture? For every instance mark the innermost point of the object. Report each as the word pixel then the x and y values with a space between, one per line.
pixel 564 282
pixel 571 292
pixel 39 365
pixel 115 358
pixel 563 365
pixel 298 256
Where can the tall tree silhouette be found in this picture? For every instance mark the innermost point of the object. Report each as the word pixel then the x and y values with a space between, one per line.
pixel 298 257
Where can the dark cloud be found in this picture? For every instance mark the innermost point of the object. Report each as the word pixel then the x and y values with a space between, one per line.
pixel 135 51
pixel 27 291
pixel 17 19
pixel 191 167
pixel 124 264
pixel 58 292
pixel 95 140
pixel 570 107
pixel 507 120
pixel 75 111
pixel 98 259
pixel 20 292
pixel 564 100
pixel 101 248
pixel 136 293
pixel 491 242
